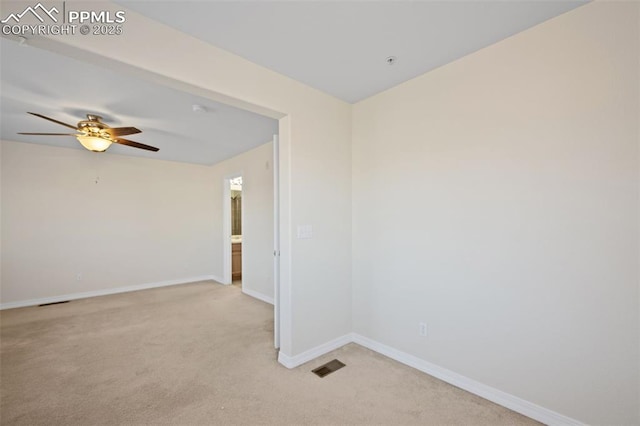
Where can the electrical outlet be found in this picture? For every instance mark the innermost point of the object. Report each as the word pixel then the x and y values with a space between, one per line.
pixel 423 329
pixel 79 276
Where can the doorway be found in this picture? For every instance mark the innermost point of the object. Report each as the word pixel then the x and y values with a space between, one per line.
pixel 242 99
pixel 235 199
pixel 232 220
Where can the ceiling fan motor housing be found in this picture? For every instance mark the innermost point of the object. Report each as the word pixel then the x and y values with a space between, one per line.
pixel 94 127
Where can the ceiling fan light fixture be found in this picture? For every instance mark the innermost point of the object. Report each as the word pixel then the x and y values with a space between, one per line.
pixel 95 135
pixel 94 143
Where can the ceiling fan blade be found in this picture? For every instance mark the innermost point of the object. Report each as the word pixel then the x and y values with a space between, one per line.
pixel 136 144
pixel 48 134
pixel 55 121
pixel 122 131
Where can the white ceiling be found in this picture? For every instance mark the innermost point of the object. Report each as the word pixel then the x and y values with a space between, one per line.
pixel 66 89
pixel 340 47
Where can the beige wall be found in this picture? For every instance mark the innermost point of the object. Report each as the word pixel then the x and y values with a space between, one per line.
pixel 496 199
pixel 256 168
pixel 118 221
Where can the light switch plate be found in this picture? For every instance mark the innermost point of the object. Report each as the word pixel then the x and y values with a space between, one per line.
pixel 305 231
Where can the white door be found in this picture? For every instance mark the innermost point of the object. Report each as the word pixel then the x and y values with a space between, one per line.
pixel 276 242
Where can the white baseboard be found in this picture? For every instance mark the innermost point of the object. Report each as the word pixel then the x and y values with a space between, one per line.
pixel 214 278
pixel 257 295
pixel 104 292
pixel 509 401
pixel 294 361
pixel 499 397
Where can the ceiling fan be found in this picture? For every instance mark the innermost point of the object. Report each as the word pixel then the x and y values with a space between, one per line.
pixel 96 136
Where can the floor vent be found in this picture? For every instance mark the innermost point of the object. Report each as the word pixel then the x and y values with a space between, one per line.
pixel 328 368
pixel 54 303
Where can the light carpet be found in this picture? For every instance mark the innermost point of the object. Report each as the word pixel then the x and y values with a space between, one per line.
pixel 201 354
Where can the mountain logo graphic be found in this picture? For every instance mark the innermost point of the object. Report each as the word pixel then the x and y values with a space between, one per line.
pixel 34 11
